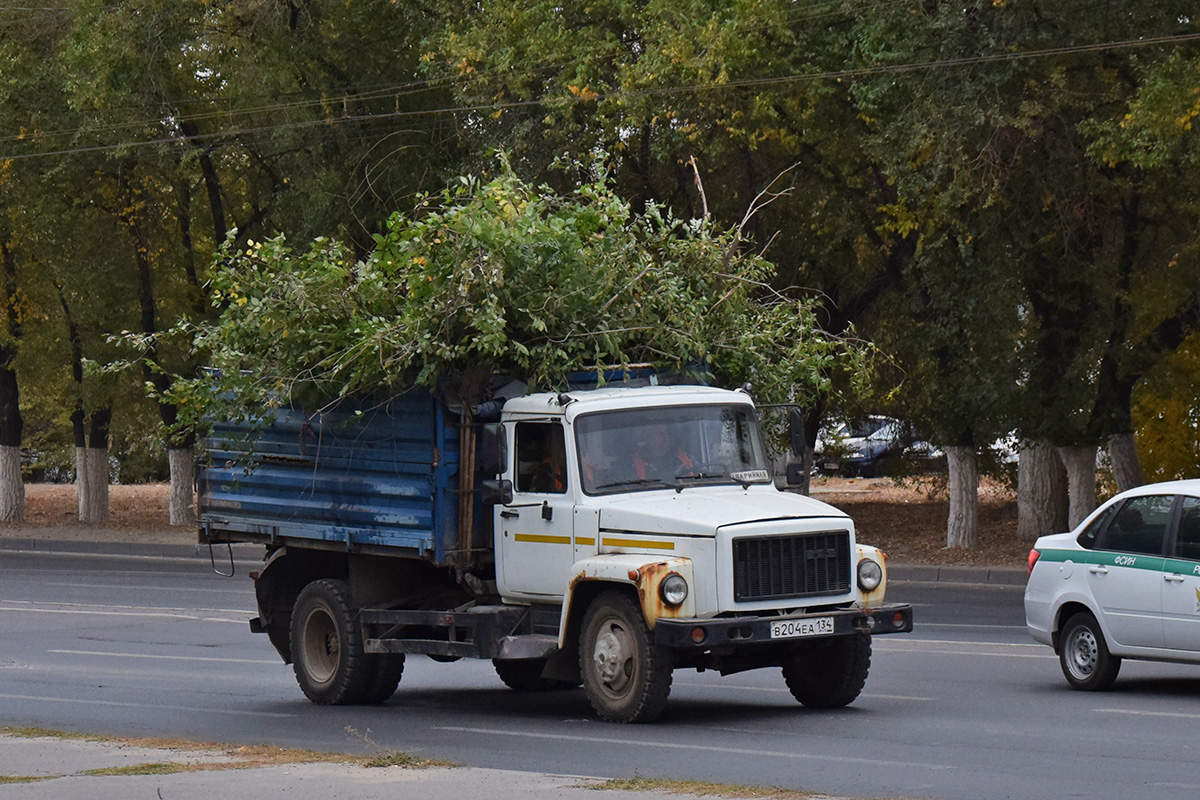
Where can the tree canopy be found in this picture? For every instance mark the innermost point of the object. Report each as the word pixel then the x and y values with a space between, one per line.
pixel 500 274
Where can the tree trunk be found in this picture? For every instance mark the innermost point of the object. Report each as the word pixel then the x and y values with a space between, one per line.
pixel 91 460
pixel 1127 464
pixel 12 486
pixel 1081 481
pixel 962 529
pixel 83 483
pixel 182 505
pixel 97 484
pixel 12 426
pixel 1041 492
pixel 806 468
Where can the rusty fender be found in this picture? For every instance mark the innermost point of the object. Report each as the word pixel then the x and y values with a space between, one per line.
pixel 873 599
pixel 644 573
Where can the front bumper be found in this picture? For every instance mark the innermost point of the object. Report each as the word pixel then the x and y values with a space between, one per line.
pixel 706 634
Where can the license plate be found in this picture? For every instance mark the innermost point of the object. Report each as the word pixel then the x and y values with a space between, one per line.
pixel 798 628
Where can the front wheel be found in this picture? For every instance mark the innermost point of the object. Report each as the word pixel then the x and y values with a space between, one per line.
pixel 626 676
pixel 829 673
pixel 1084 655
pixel 327 650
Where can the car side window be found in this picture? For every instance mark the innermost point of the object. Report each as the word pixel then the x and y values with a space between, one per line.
pixel 1140 526
pixel 541 458
pixel 1091 534
pixel 1187 537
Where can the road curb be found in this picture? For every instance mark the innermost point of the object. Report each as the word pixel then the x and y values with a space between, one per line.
pixel 930 573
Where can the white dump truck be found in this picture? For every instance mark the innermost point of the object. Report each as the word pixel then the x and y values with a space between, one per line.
pixel 602 537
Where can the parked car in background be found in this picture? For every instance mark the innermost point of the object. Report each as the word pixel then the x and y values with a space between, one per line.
pixel 1124 584
pixel 869 447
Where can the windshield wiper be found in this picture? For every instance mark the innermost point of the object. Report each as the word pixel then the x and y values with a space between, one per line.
pixel 695 477
pixel 633 482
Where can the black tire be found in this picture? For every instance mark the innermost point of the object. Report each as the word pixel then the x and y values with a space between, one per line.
pixel 626 676
pixel 327 652
pixel 1083 655
pixel 829 673
pixel 385 673
pixel 525 675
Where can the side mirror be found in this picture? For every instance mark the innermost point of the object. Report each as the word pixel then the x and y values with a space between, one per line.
pixel 493 450
pixel 796 431
pixel 496 492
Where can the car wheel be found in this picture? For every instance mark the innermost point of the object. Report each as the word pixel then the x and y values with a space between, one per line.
pixel 1084 655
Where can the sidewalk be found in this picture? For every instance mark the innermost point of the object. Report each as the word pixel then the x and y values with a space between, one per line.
pixel 46 768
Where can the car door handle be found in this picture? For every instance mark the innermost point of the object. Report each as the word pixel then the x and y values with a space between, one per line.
pixel 509 514
pixel 1173 578
pixel 1098 570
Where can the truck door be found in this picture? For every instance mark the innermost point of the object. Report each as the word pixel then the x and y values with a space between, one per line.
pixel 534 531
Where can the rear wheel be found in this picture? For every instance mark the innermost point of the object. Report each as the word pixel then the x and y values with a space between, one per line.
pixel 1084 655
pixel 626 676
pixel 327 653
pixel 829 673
pixel 385 673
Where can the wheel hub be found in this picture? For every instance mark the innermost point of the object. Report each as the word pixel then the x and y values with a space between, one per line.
pixel 322 648
pixel 1082 653
pixel 613 656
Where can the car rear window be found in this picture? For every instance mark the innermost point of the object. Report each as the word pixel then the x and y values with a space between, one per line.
pixel 1140 526
pixel 1091 534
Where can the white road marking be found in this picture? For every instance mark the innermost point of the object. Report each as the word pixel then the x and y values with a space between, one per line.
pixel 165 658
pixel 140 587
pixel 115 703
pixel 1135 713
pixel 131 611
pixel 681 683
pixel 943 647
pixel 694 747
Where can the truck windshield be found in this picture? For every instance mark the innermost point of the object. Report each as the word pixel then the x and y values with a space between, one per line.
pixel 678 446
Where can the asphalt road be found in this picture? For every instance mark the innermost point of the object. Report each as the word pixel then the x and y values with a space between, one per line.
pixel 967 706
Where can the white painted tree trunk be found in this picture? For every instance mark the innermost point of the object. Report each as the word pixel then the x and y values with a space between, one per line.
pixel 1127 464
pixel 1081 481
pixel 12 485
pixel 182 503
pixel 83 482
pixel 92 480
pixel 962 528
pixel 1041 492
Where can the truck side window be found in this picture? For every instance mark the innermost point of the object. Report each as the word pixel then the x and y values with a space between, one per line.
pixel 541 458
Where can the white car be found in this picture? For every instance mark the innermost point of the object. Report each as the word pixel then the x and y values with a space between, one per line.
pixel 1124 584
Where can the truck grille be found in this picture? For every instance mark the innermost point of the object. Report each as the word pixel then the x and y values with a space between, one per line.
pixel 775 567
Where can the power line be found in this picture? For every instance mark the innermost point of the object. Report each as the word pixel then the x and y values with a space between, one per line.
pixel 815 11
pixel 864 72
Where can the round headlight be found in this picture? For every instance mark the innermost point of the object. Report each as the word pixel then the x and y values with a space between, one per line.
pixel 870 575
pixel 673 590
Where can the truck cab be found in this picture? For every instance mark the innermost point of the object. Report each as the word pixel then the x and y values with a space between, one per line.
pixel 664 496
